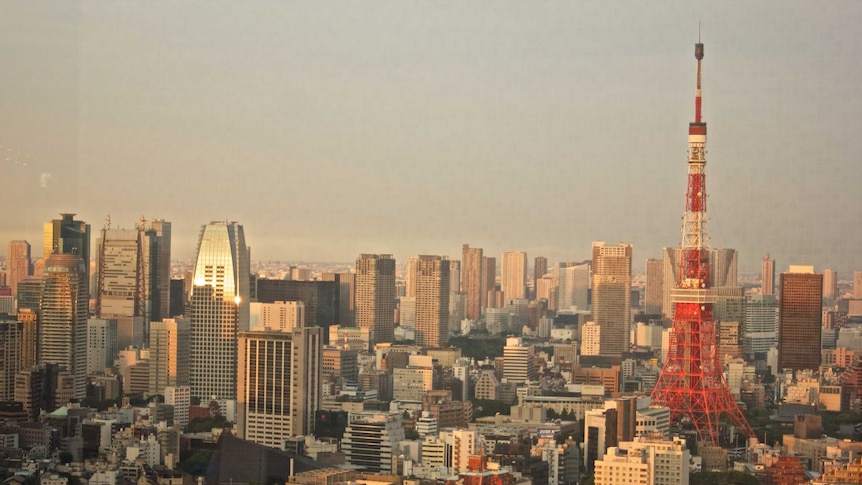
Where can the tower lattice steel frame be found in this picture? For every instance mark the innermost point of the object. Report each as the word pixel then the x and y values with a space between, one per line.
pixel 692 383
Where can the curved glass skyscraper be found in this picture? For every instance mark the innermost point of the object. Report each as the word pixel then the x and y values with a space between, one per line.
pixel 219 309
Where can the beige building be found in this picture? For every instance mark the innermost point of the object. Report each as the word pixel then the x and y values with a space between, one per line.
pixel 431 277
pixel 513 275
pixel 654 286
pixel 471 281
pixel 278 384
pixel 18 265
pixel 283 316
pixel 169 354
pixel 612 288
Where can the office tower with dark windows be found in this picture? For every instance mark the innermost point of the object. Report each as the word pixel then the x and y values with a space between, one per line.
pixel 540 268
pixel 133 273
pixel 11 335
pixel 68 236
pixel 612 289
pixel 346 291
pixel 513 275
pixel 279 384
pixel 18 264
pixel 489 281
pixel 63 319
pixel 471 281
pixel 767 282
pixel 431 276
pixel 375 296
pixel 654 286
pixel 219 309
pixel 800 318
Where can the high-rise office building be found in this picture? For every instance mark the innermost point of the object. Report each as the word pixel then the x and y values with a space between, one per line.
pixel 321 298
pixel 219 309
pixel 372 442
pixel 67 236
pixel 761 324
pixel 102 346
pixel 18 264
pixel 767 277
pixel 169 354
pixel 654 286
pixel 471 281
pixel 800 319
pixel 612 289
pixel 11 334
pixel 431 277
pixel 670 273
pixel 454 276
pixel 279 384
pixel 857 284
pixel 489 282
pixel 513 275
pixel 133 271
pixel 375 296
pixel 540 268
pixel 722 267
pixel 346 295
pixel 410 277
pixel 830 284
pixel 63 319
pixel 573 288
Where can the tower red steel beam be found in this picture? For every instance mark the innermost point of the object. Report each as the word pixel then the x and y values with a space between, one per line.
pixel 692 383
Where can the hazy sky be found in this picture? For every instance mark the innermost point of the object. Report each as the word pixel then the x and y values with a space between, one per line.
pixel 329 129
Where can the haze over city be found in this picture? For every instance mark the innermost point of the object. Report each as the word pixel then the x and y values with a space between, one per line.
pixel 334 129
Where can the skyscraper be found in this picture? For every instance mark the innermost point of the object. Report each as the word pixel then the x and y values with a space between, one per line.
pixel 11 335
pixel 800 319
pixel 857 284
pixel 612 289
pixel 722 265
pixel 489 281
pixel 279 384
pixel 513 278
pixel 540 268
pixel 18 265
pixel 133 271
pixel 375 296
pixel 761 323
pixel 518 365
pixel 410 277
pixel 573 287
pixel 219 309
pixel 169 354
pixel 654 286
pixel 767 285
pixel 830 284
pixel 63 318
pixel 68 236
pixel 431 276
pixel 471 281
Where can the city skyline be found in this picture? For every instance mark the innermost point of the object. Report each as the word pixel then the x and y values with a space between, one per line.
pixel 413 107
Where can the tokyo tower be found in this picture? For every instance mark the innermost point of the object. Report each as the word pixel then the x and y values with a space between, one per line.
pixel 691 383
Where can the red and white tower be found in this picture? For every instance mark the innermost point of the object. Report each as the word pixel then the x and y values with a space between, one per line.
pixel 691 383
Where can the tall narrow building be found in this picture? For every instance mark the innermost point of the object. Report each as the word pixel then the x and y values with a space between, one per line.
pixel 169 354
pixel 18 265
pixel 375 296
pixel 68 236
pixel 767 284
pixel 513 277
pixel 219 309
pixel 63 318
pixel 800 318
pixel 540 268
pixel 857 285
pixel 654 286
pixel 830 284
pixel 489 281
pixel 612 289
pixel 573 289
pixel 133 272
pixel 279 384
pixel 722 265
pixel 431 276
pixel 471 281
